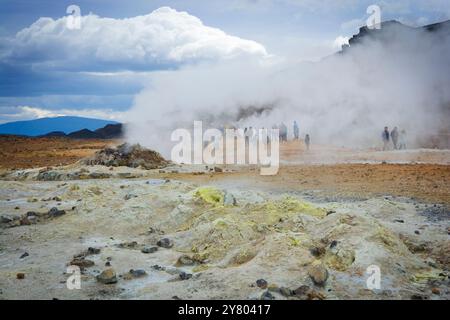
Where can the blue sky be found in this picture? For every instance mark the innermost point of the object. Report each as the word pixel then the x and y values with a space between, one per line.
pixel 46 70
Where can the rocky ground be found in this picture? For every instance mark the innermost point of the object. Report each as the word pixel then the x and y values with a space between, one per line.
pixel 194 232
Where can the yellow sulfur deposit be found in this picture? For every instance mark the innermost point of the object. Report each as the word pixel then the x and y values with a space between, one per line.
pixel 210 195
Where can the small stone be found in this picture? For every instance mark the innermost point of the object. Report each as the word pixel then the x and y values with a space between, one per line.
pixel 418 297
pixel 138 273
pixel 286 292
pixel 330 212
pixel 128 245
pixel 82 263
pixel 149 249
pixel 302 290
pixel 108 276
pixel 57 199
pixel 417 232
pixel 108 264
pixel 399 220
pixel 26 221
pixel 333 244
pixel 267 296
pixel 317 251
pixel 318 274
pixel 185 260
pixel 431 262
pixel 185 276
pixel 20 275
pixel 6 219
pixel 436 291
pixel 55 212
pixel 24 255
pixel 165 243
pixel 217 169
pixel 92 250
pixel 129 196
pixel 261 283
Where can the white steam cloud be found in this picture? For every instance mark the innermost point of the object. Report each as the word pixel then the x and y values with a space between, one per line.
pixel 397 76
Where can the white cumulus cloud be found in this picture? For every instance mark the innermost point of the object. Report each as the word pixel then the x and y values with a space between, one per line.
pixel 162 37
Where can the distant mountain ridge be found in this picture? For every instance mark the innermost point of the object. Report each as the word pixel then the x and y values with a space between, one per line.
pixel 57 126
pixel 110 131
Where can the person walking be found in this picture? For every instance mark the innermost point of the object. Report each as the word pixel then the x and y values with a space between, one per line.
pixel 296 131
pixel 307 141
pixel 385 136
pixel 394 137
pixel 402 140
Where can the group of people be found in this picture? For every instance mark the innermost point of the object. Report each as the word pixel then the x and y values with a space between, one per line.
pixel 282 132
pixel 398 138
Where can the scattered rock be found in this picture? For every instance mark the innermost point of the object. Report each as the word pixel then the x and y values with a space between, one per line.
pixel 82 263
pixel 165 243
pixel 185 260
pixel 267 296
pixel 133 274
pixel 302 290
pixel 25 221
pixel 149 249
pixel 431 262
pixel 286 292
pixel 107 276
pixel 317 250
pixel 261 283
pixel 129 196
pixel 92 250
pixel 88 252
pixel 333 244
pixel 185 276
pixel 305 292
pixel 6 219
pixel 436 291
pixel 55 212
pixel 318 274
pixel 128 245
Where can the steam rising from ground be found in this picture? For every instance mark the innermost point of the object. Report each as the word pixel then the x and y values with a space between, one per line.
pixel 401 77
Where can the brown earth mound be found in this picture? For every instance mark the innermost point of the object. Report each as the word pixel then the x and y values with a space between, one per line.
pixel 127 155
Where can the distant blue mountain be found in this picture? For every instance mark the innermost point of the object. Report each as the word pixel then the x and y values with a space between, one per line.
pixel 43 126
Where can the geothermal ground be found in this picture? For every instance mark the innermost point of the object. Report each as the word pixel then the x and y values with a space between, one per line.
pixel 195 232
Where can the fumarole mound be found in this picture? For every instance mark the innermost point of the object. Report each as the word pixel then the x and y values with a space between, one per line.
pixel 128 155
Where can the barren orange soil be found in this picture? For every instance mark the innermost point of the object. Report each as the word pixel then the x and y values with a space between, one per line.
pixel 425 182
pixel 22 152
pixel 299 170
